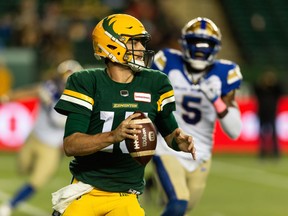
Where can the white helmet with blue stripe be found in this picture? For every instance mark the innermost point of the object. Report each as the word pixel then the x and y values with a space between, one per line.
pixel 201 41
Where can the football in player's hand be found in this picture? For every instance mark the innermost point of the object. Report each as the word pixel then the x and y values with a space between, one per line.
pixel 143 148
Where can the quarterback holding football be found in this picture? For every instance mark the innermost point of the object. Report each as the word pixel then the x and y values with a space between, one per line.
pixel 100 105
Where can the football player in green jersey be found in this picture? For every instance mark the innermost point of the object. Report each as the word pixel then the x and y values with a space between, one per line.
pixel 99 104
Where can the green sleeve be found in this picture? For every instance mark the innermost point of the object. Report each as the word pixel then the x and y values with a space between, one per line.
pixel 78 94
pixel 166 102
pixel 76 123
pixel 166 125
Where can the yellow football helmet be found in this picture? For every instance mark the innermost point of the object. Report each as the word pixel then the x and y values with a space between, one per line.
pixel 201 41
pixel 111 35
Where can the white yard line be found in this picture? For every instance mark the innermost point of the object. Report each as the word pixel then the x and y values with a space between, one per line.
pixel 253 175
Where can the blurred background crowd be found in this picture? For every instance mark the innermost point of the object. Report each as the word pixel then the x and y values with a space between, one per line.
pixel 35 35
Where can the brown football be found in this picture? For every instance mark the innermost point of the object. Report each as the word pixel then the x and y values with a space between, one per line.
pixel 143 148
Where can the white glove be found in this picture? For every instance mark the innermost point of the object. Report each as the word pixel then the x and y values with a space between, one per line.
pixel 211 87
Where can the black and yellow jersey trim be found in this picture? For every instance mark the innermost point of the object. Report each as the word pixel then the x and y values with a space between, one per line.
pixel 77 98
pixel 164 99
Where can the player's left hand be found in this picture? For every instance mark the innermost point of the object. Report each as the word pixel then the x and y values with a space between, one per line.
pixel 211 87
pixel 185 142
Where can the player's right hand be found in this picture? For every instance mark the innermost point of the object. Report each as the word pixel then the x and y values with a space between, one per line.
pixel 126 130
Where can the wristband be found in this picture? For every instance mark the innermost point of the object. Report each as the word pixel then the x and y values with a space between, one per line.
pixel 175 145
pixel 219 105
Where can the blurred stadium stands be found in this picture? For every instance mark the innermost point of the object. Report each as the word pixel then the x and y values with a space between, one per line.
pixel 254 31
pixel 260 29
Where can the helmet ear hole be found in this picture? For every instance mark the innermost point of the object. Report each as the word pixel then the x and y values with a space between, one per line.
pixel 111 47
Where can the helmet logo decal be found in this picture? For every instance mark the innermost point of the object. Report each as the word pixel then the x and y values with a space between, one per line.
pixel 109 27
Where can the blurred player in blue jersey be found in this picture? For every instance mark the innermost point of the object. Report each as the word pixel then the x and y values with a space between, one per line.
pixel 41 154
pixel 204 91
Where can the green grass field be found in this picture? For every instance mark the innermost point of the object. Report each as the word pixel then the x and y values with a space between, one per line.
pixel 238 185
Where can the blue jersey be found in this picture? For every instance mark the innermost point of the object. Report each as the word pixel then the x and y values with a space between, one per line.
pixel 48 120
pixel 195 114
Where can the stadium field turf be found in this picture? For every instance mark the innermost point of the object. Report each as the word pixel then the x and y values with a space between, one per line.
pixel 238 185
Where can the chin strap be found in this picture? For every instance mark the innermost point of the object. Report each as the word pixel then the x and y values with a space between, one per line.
pixel 231 122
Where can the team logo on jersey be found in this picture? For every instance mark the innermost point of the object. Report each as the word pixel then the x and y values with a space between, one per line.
pixel 124 93
pixel 144 97
pixel 234 75
pixel 125 105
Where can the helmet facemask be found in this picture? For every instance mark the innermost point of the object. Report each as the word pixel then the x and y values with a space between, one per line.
pixel 139 59
pixel 201 41
pixel 200 52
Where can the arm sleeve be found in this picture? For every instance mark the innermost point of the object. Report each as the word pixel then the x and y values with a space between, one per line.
pixel 166 125
pixel 166 99
pixel 231 123
pixel 76 123
pixel 231 78
pixel 165 120
pixel 78 95
pixel 76 102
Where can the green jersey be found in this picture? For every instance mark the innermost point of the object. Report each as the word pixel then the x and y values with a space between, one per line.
pixel 107 103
